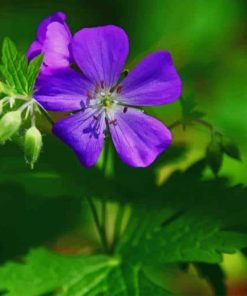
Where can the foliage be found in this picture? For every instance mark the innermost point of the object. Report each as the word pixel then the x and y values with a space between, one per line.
pixel 184 220
pixel 19 75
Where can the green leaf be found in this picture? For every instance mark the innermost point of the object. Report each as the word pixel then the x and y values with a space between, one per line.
pixel 189 112
pixel 33 71
pixel 230 148
pixel 19 75
pixel 188 220
pixel 47 272
pixel 14 67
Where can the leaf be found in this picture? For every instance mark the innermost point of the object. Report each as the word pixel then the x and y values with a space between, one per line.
pixel 33 71
pixel 188 220
pixel 14 67
pixel 19 75
pixel 45 272
pixel 230 148
pixel 189 112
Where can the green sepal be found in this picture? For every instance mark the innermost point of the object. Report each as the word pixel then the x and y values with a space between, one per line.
pixel 9 125
pixel 214 155
pixel 32 145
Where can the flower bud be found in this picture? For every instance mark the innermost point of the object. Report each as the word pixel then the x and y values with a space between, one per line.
pixel 9 125
pixel 214 155
pixel 32 145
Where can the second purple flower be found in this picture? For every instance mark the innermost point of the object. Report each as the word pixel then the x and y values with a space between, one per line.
pixel 103 103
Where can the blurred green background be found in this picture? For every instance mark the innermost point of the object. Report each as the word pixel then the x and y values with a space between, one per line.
pixel 206 38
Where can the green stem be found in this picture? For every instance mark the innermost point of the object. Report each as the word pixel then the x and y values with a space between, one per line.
pixel 174 124
pixel 100 230
pixel 118 226
pixel 103 220
pixel 45 113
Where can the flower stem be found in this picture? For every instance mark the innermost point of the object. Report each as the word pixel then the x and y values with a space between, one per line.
pixel 174 124
pixel 118 225
pixel 99 227
pixel 45 113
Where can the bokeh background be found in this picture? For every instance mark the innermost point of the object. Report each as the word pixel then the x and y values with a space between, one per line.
pixel 208 42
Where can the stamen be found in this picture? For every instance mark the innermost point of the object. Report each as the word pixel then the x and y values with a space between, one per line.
pixel 97 89
pixel 102 84
pixel 125 109
pixel 114 122
pixel 119 89
pixel 89 95
pixel 112 89
pixel 95 117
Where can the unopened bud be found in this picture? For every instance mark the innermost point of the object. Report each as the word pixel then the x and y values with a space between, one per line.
pixel 32 145
pixel 9 125
pixel 214 155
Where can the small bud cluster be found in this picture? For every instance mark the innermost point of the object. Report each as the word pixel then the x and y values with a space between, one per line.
pixel 14 111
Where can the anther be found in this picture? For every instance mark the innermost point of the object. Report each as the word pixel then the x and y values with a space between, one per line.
pixel 97 89
pixel 112 89
pixel 119 89
pixel 102 84
pixel 125 109
pixel 114 122
pixel 95 117
pixel 89 95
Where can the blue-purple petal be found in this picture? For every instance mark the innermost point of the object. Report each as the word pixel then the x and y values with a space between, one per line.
pixel 84 134
pixel 53 39
pixel 62 90
pixel 154 81
pixel 101 53
pixel 137 137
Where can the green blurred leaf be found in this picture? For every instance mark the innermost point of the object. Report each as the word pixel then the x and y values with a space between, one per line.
pixel 47 272
pixel 187 220
pixel 230 148
pixel 189 112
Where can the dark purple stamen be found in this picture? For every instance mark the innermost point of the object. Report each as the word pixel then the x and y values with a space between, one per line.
pixel 119 89
pixel 125 109
pixel 112 89
pixel 102 84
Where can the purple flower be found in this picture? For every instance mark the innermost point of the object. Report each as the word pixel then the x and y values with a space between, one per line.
pixel 53 39
pixel 103 103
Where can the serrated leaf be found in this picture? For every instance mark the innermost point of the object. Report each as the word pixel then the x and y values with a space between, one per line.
pixel 46 272
pixel 14 67
pixel 188 221
pixel 20 76
pixel 33 71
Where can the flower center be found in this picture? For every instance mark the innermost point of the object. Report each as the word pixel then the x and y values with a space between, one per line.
pixel 106 100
